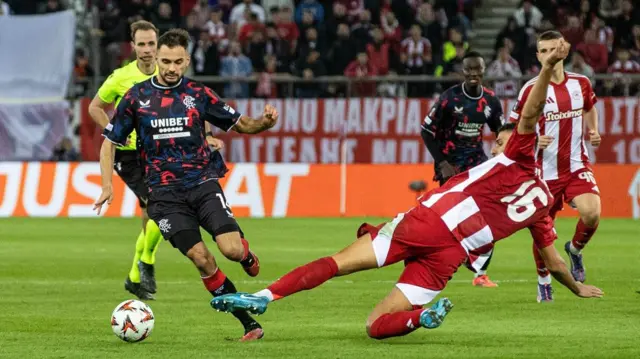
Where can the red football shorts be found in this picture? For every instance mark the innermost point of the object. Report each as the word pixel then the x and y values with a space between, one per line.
pixel 565 189
pixel 430 252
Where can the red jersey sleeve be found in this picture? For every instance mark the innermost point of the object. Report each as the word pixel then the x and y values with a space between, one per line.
pixel 589 96
pixel 516 111
pixel 521 148
pixel 543 232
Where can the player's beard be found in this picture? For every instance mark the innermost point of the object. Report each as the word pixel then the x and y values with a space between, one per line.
pixel 171 80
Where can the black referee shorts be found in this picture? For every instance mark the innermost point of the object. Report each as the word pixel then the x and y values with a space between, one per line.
pixel 129 169
pixel 188 209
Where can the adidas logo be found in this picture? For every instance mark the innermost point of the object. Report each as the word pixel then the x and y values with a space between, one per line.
pixel 550 100
pixel 410 324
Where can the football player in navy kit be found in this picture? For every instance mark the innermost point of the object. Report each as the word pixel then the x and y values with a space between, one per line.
pixel 169 112
pixel 452 131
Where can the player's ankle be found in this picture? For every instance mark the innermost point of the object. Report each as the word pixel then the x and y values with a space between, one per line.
pixel 574 249
pixel 265 293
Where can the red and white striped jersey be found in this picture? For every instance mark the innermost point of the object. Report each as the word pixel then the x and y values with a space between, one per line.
pixel 494 200
pixel 415 50
pixel 561 118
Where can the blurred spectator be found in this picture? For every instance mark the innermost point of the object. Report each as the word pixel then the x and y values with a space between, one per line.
pixel 236 65
pixel 431 28
pixel 266 88
pixel 309 68
pixel 287 29
pixel 361 68
pixel 528 17
pixel 604 33
pixel 622 65
pixel 573 31
pixel 249 28
pixel 416 57
pixel 587 14
pixel 257 50
pixel 341 52
pixel 163 19
pixel 312 6
pixel 82 72
pixel 391 29
pixel 53 6
pixel 191 27
pixel 337 17
pixel 216 29
pixel 610 9
pixel 5 10
pixel 64 152
pixel 206 57
pixel 312 42
pixel 518 38
pixel 624 24
pixel 277 5
pixel 113 29
pixel 237 16
pixel 451 50
pixel 353 7
pixel 378 52
pixel 635 46
pixel 580 66
pixel 361 31
pixel 202 13
pixel 391 88
pixel 132 10
pixel 279 48
pixel 505 66
pixel 595 53
pixel 308 22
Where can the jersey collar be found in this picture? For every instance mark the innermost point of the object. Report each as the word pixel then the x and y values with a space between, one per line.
pixel 161 87
pixel 471 97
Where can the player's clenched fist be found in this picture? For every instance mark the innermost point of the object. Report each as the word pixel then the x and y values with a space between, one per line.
pixel 594 138
pixel 559 53
pixel 270 116
pixel 544 142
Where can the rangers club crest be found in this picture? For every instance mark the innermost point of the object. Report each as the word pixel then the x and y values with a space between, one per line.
pixel 189 102
pixel 487 111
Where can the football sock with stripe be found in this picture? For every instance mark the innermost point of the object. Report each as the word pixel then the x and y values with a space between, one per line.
pixel 395 324
pixel 582 236
pixel 134 273
pixel 218 284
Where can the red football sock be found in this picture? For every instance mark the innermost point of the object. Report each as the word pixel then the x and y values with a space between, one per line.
pixel 583 235
pixel 306 277
pixel 245 244
pixel 540 265
pixel 214 281
pixel 395 324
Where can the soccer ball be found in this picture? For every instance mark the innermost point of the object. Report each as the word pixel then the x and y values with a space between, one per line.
pixel 132 321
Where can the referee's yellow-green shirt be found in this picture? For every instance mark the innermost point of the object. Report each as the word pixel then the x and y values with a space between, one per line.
pixel 116 86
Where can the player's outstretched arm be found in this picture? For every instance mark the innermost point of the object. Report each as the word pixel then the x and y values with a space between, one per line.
pixel 107 156
pixel 558 268
pixel 249 125
pixel 537 97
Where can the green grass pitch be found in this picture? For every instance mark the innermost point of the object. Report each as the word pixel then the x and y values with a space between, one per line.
pixel 61 278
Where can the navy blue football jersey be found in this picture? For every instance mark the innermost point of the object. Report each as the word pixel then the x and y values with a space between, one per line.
pixel 171 133
pixel 457 121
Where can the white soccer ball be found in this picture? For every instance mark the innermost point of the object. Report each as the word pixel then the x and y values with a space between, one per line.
pixel 132 321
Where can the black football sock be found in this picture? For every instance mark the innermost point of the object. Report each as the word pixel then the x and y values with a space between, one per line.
pixel 227 287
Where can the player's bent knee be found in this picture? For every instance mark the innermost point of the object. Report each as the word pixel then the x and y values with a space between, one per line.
pixel 590 217
pixel 230 245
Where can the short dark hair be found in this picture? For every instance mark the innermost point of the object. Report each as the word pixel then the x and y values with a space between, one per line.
pixel 550 35
pixel 141 25
pixel 509 126
pixel 472 54
pixel 173 38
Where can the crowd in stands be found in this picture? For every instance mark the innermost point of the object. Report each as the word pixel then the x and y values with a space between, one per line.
pixel 361 38
pixel 604 34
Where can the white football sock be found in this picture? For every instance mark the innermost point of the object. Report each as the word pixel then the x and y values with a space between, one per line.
pixel 544 280
pixel 573 249
pixel 265 293
pixel 480 272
